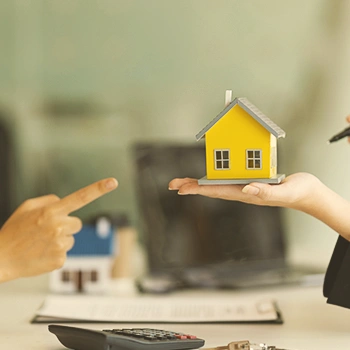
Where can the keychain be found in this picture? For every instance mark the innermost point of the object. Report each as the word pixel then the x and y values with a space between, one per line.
pixel 245 345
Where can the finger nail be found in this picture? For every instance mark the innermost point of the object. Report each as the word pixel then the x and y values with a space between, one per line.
pixel 182 194
pixel 111 184
pixel 251 190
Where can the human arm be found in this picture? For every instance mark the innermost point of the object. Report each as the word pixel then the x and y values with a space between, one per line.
pixel 38 234
pixel 300 191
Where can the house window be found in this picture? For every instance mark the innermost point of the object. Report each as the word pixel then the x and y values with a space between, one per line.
pixel 93 276
pixel 65 276
pixel 254 158
pixel 222 159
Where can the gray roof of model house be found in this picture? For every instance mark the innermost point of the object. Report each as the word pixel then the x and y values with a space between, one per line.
pixel 253 111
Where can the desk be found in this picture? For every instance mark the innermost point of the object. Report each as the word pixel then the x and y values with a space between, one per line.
pixel 310 323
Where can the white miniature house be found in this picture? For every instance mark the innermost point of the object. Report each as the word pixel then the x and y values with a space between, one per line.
pixel 88 265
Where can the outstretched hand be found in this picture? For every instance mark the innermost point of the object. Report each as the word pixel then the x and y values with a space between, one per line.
pixel 300 191
pixel 38 234
pixel 293 192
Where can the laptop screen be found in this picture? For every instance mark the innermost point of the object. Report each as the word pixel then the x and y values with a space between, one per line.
pixel 186 232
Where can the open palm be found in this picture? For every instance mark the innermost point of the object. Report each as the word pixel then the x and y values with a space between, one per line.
pixel 292 192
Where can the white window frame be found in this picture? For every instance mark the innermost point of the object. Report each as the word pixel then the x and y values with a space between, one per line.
pixel 222 159
pixel 254 159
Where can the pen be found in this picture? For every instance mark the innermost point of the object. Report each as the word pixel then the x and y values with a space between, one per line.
pixel 341 135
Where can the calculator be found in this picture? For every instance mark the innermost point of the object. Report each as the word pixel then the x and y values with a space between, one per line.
pixel 124 339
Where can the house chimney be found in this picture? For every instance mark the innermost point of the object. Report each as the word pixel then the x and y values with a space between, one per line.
pixel 228 97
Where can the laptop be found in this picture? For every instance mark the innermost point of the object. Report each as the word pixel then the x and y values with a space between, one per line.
pixel 200 242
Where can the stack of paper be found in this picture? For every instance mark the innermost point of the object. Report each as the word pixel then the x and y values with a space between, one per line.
pixel 74 308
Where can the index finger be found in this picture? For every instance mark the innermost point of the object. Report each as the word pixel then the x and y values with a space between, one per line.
pixel 85 195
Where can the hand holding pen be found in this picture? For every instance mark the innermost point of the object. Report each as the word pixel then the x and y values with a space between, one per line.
pixel 342 134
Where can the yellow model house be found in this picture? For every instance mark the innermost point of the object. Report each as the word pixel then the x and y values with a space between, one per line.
pixel 241 145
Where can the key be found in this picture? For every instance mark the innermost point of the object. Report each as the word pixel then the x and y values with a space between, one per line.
pixel 244 345
pixel 235 345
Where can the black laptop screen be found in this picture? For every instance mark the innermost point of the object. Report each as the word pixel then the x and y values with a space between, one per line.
pixel 182 232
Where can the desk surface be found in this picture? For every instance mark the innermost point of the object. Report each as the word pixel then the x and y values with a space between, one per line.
pixel 310 323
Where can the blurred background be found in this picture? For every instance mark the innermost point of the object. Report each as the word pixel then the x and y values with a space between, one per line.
pixel 82 80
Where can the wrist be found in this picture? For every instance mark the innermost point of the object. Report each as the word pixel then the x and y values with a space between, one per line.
pixel 314 195
pixel 6 274
pixel 327 206
pixel 7 270
pixel 306 195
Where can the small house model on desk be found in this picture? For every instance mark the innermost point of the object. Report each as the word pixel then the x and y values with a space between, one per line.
pixel 88 265
pixel 241 145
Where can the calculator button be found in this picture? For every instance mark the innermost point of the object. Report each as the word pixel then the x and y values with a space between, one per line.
pixel 179 336
pixel 171 337
pixel 150 337
pixel 151 334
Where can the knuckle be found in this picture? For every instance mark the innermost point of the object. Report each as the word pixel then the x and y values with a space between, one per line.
pixel 45 216
pixel 47 212
pixel 58 246
pixel 57 232
pixel 265 194
pixel 70 243
pixel 28 203
pixel 56 262
pixel 79 225
pixel 101 187
pixel 83 195
pixel 52 197
pixel 59 261
pixel 41 219
pixel 188 179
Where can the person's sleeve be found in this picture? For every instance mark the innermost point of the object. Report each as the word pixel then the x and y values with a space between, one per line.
pixel 336 285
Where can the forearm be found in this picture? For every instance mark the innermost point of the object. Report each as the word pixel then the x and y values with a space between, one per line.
pixel 5 276
pixel 6 272
pixel 11 256
pixel 330 208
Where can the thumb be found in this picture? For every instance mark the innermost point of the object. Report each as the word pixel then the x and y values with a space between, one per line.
pixel 260 190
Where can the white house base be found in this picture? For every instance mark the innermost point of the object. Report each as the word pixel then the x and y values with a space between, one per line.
pixel 272 180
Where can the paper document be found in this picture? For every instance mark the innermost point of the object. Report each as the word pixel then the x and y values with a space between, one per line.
pixel 57 308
